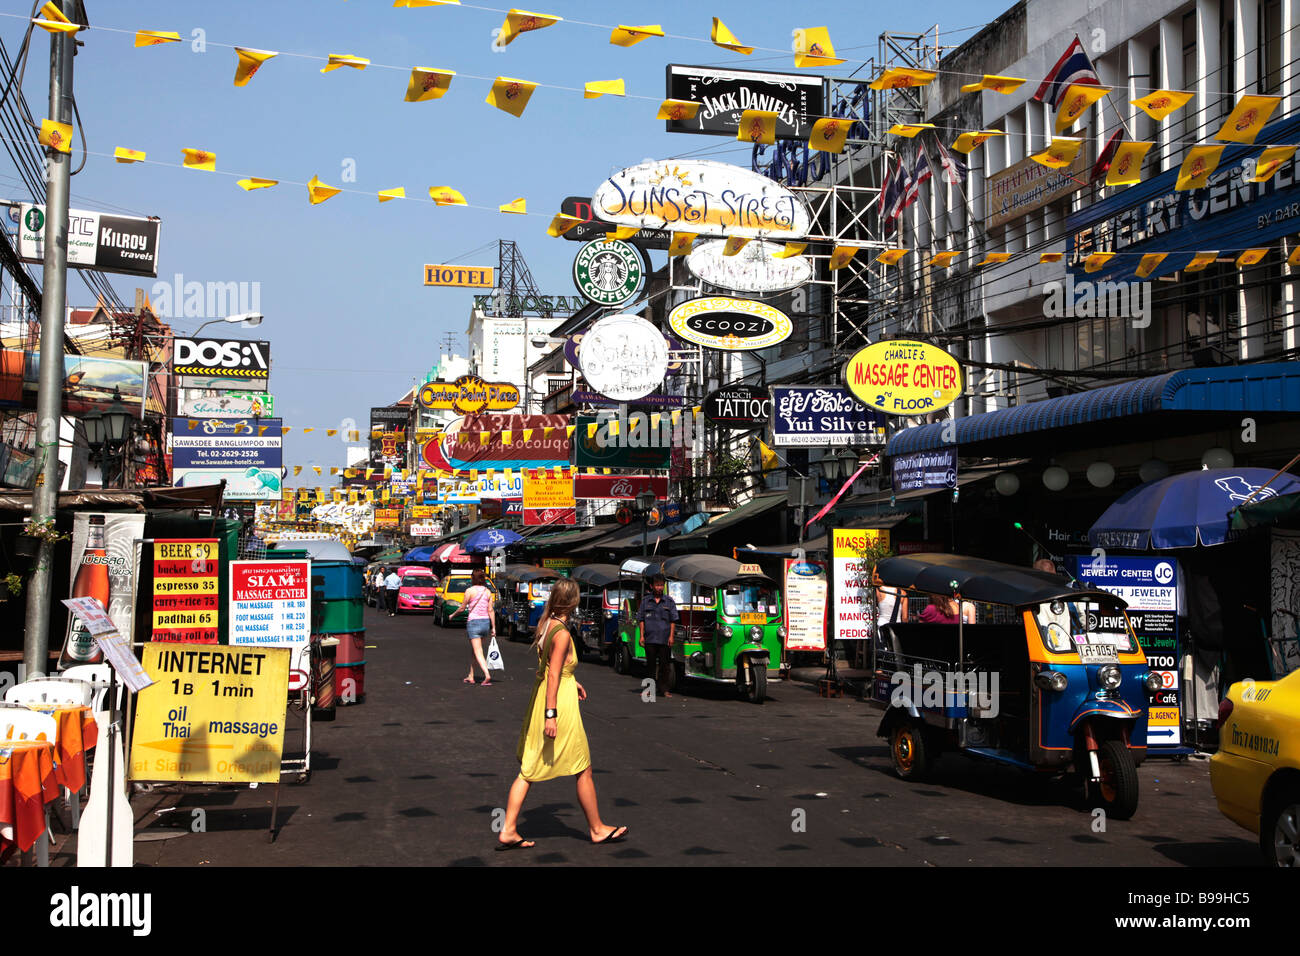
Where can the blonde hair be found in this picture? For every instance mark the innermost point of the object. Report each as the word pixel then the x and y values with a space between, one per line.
pixel 559 603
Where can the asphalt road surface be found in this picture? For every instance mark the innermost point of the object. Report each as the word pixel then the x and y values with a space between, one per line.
pixel 417 774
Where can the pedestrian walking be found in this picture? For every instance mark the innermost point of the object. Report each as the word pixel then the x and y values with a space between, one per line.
pixel 657 618
pixel 480 622
pixel 377 588
pixel 552 742
pixel 392 584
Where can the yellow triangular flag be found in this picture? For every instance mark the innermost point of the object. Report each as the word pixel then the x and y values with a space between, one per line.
pixel 595 89
pixel 517 206
pixel 1161 103
pixel 891 257
pixel 522 21
pixel 813 48
pixel 790 250
pixel 591 429
pixel 255 182
pixel 1293 260
pixel 757 126
pixel 124 155
pixel 156 37
pixel 901 77
pixel 316 468
pixel 561 224
pixel 318 192
pixel 910 130
pixel 446 196
pixel 622 232
pixel 1060 153
pixel 308 431
pixel 1097 261
pixel 250 61
pixel 285 429
pixel 631 36
pixel 528 434
pixel 1077 98
pixel 1247 118
pixel 199 159
pixel 1149 263
pixel 57 136
pixel 842 256
pixel 677 110
pixel 1200 261
pixel 1269 162
pixel 397 192
pixel 507 437
pixel 52 20
pixel 734 244
pixel 1198 164
pixel 337 60
pixel 1250 257
pixel 969 141
pixel 828 135
pixel 943 260
pixel 426 83
pixel 681 244
pixel 993 258
pixel 484 437
pixel 995 84
pixel 1051 256
pixel 510 95
pixel 1126 166
pixel 724 38
pixel 297 470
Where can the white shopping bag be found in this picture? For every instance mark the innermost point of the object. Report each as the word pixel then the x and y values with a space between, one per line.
pixel 494 657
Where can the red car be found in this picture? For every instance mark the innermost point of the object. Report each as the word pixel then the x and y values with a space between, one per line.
pixel 418 591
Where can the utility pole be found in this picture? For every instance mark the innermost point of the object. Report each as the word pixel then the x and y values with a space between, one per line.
pixel 49 397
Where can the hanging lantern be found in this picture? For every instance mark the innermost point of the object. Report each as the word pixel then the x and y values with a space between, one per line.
pixel 1217 458
pixel 1056 478
pixel 1007 483
pixel 1101 474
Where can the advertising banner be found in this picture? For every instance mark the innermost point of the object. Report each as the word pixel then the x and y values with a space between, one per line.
pixel 852 582
pixel 228 405
pixel 270 606
pixel 186 590
pixel 463 277
pixel 214 715
pixel 90 384
pixel 619 487
pixel 902 377
pixel 822 415
pixel 388 517
pixel 579 207
pixel 797 99
pixel 503 441
pixel 99 241
pixel 468 394
pixel 105 564
pixel 245 452
pixel 468 491
pixel 550 516
pixel 739 407
pixel 425 531
pixel 925 470
pixel 625 450
pixel 239 363
pixel 805 605
pixel 1028 185
pixel 543 490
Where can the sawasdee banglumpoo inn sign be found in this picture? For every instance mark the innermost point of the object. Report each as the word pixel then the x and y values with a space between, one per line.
pixel 902 377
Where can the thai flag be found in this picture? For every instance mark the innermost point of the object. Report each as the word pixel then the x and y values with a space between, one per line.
pixel 954 170
pixel 1102 166
pixel 1073 67
pixel 894 192
pixel 921 171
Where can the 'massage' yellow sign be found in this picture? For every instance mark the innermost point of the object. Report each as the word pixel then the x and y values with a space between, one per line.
pixel 214 715
pixel 901 377
pixel 467 277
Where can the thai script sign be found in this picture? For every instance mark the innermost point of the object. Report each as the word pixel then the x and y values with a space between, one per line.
pixel 822 415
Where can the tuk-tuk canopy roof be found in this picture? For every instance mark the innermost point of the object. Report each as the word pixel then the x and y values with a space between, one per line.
pixel 646 567
pixel 529 572
pixel 596 575
pixel 978 579
pixel 711 570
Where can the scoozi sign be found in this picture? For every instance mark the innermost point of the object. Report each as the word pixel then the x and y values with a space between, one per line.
pixel 732 325
pixel 469 394
pixel 608 272
pixel 702 197
pixel 234 358
pixel 901 377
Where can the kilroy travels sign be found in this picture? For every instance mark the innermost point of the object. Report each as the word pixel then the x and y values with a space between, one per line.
pixel 469 394
pixel 755 269
pixel 624 357
pixel 96 240
pixel 739 407
pixel 821 415
pixel 731 325
pixel 464 277
pixel 901 377
pixel 245 360
pixel 608 272
pixel 723 95
pixel 579 207
pixel 703 197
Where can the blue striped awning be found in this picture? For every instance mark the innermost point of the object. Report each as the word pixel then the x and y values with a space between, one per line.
pixel 1272 387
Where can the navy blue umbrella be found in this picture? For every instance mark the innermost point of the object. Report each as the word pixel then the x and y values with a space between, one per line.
pixel 1185 510
pixel 481 542
pixel 420 555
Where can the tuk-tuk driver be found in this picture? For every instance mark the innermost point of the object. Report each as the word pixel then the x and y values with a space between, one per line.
pixel 658 619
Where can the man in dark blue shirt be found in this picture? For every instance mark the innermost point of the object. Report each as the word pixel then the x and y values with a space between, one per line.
pixel 658 619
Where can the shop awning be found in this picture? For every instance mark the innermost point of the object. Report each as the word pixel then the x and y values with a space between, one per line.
pixel 630 538
pixel 138 499
pixel 468 529
pixel 1265 388
pixel 885 521
pixel 569 539
pixel 699 538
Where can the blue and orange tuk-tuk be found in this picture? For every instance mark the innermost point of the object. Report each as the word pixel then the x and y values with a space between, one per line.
pixel 599 597
pixel 1025 670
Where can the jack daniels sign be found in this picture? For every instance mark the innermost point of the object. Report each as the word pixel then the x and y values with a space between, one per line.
pixel 723 95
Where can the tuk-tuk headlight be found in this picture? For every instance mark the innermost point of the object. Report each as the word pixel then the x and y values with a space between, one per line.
pixel 1051 680
pixel 1109 676
pixel 724 632
pixel 780 631
pixel 1153 682
pixel 755 633
pixel 609 614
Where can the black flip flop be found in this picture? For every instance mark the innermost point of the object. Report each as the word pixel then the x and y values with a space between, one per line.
pixel 611 838
pixel 517 845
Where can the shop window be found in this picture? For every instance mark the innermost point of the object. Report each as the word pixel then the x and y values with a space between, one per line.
pixel 1270 47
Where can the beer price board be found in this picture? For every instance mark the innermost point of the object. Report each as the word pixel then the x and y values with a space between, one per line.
pixel 186 590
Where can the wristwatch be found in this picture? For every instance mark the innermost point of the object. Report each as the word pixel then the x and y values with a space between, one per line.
pixel 551 713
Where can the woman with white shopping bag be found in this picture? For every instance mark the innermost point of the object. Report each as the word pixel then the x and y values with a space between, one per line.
pixel 480 623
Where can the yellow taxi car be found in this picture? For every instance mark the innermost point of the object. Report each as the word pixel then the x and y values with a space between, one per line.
pixel 451 595
pixel 1256 773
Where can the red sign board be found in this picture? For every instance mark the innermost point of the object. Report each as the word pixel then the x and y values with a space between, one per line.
pixel 185 590
pixel 543 516
pixel 618 487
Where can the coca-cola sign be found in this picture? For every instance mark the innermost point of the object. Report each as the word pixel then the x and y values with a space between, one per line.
pixel 618 487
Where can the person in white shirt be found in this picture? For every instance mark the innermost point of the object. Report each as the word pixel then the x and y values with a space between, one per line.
pixel 391 584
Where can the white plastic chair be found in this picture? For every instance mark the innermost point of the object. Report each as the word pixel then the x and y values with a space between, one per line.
pixel 19 723
pixel 99 676
pixel 51 690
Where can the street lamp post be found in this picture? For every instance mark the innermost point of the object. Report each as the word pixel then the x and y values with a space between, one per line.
pixel 247 319
pixel 109 429
pixel 644 502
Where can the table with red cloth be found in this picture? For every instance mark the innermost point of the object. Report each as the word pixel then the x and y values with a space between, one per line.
pixel 77 733
pixel 27 784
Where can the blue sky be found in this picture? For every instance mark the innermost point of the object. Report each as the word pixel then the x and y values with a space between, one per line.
pixel 349 321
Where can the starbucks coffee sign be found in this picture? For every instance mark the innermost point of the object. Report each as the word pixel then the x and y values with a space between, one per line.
pixel 608 272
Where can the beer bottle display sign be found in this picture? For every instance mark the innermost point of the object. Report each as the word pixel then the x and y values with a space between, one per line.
pixel 91 580
pixel 104 563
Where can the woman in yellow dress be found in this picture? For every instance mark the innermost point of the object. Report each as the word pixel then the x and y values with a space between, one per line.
pixel 552 742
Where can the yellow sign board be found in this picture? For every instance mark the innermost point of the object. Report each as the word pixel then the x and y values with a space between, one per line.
pixel 902 377
pixel 465 277
pixel 545 491
pixel 850 543
pixel 214 715
pixel 469 394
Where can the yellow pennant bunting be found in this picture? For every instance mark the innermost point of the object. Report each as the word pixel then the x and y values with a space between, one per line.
pixel 528 434
pixel 426 83
pixel 901 77
pixel 681 244
pixel 595 89
pixel 842 256
pixel 484 437
pixel 318 192
pixel 522 21
pixel 254 182
pixel 677 110
pixel 507 437
pixel 1293 260
pixel 1060 153
pixel 1051 256
pixel 1126 166
pixel 1200 261
pixel 307 431
pixel 1078 97
pixel 52 20
pixel 724 38
pixel 156 37
pixel 995 84
pixel 622 232
pixel 630 36
pixel 734 244
pixel 790 250
pixel 1161 103
pixel 397 192
pixel 337 60
pixel 994 258
pixel 123 155
pixel 518 207
pixel 910 130
pixel 591 429
pixel 891 257
pixel 561 224
pixel 316 468
pixel 828 135
pixel 1198 164
pixel 1097 261
pixel 297 470
pixel 1270 161
pixel 1247 119
pixel 757 126
pixel 969 141
pixel 199 159
pixel 813 48
pixel 250 61
pixel 57 136
pixel 944 260
pixel 510 95
pixel 285 429
pixel 1251 257
pixel 446 196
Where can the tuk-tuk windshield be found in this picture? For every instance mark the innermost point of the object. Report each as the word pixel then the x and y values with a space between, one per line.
pixel 616 596
pixel 740 599
pixel 679 591
pixel 542 589
pixel 1066 624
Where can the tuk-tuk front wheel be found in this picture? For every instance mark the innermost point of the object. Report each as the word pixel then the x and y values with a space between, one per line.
pixel 756 686
pixel 622 662
pixel 1117 790
pixel 909 751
